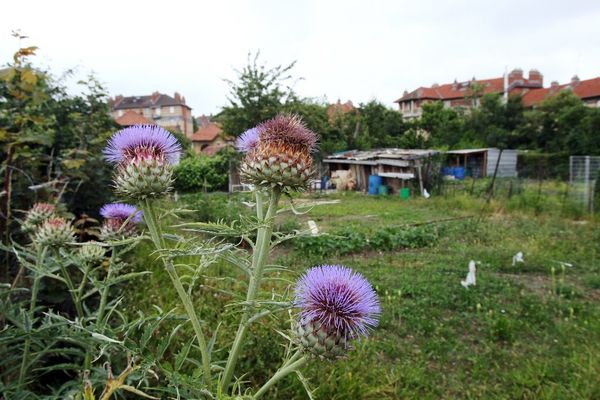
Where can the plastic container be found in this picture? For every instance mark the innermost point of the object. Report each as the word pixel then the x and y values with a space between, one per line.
pixel 459 173
pixel 447 171
pixel 383 190
pixel 405 193
pixel 374 183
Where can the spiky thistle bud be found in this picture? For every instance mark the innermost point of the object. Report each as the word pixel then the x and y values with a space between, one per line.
pixel 55 232
pixel 278 153
pixel 337 306
pixel 91 253
pixel 144 156
pixel 38 214
pixel 120 221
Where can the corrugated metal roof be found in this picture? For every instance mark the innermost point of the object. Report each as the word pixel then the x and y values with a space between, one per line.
pixel 403 154
pixel 469 151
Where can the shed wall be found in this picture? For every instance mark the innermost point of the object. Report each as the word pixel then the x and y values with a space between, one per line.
pixel 508 163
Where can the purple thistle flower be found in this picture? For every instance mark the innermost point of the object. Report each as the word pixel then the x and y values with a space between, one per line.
pixel 144 140
pixel 121 212
pixel 288 129
pixel 342 300
pixel 248 140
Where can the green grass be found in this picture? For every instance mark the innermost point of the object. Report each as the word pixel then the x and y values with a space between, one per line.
pixel 531 331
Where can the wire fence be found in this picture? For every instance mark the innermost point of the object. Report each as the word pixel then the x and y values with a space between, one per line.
pixel 583 176
pixel 563 185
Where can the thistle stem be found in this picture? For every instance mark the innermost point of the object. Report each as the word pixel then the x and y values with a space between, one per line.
pixel 105 290
pixel 259 257
pixel 71 288
pixel 157 239
pixel 34 293
pixel 286 369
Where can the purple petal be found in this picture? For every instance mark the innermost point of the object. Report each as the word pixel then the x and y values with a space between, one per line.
pixel 123 144
pixel 121 211
pixel 248 140
pixel 341 299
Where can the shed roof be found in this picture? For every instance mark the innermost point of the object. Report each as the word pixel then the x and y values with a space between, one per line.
pixel 392 153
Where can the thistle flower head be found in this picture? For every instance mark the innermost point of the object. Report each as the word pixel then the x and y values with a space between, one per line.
pixel 44 208
pixel 91 252
pixel 288 130
pixel 142 141
pixel 39 213
pixel 248 140
pixel 55 232
pixel 121 211
pixel 338 299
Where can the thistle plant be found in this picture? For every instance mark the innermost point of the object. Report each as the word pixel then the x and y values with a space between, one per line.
pixel 144 155
pixel 37 215
pixel 336 305
pixel 120 221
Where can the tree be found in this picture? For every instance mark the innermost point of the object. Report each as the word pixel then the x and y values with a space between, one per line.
pixel 381 126
pixel 444 126
pixel 51 142
pixel 258 94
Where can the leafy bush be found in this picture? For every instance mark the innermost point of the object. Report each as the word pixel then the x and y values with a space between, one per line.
pixel 202 173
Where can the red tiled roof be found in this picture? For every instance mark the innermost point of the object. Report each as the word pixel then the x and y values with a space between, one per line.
pixel 207 134
pixel 458 90
pixel 586 89
pixel 132 118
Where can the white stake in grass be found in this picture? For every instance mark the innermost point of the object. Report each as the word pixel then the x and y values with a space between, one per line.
pixel 518 258
pixel 471 280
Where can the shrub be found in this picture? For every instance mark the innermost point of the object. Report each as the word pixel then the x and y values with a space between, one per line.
pixel 202 173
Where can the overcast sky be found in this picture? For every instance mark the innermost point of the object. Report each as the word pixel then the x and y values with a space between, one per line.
pixel 358 50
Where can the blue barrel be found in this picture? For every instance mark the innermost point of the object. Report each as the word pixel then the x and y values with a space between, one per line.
pixel 447 171
pixel 459 173
pixel 374 183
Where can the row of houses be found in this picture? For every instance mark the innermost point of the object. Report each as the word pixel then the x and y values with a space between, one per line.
pixel 172 112
pixel 466 94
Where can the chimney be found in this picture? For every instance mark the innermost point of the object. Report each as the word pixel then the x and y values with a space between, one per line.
pixel 183 99
pixel 574 81
pixel 554 85
pixel 536 78
pixel 455 85
pixel 435 85
pixel 405 93
pixel 177 97
pixel 155 97
pixel 515 75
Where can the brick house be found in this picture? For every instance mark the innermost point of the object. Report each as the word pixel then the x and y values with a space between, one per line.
pixel 587 90
pixel 169 112
pixel 466 94
pixel 209 139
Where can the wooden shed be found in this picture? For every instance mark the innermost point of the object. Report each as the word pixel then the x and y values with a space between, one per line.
pixel 398 167
pixel 479 163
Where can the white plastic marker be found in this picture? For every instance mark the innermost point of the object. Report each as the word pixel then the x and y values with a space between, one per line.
pixel 426 194
pixel 565 264
pixel 518 258
pixel 314 229
pixel 471 280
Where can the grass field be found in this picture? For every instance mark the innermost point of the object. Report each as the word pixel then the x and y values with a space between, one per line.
pixel 530 331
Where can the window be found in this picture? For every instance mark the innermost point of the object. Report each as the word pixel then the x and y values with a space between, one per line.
pixel 172 110
pixel 120 113
pixel 157 111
